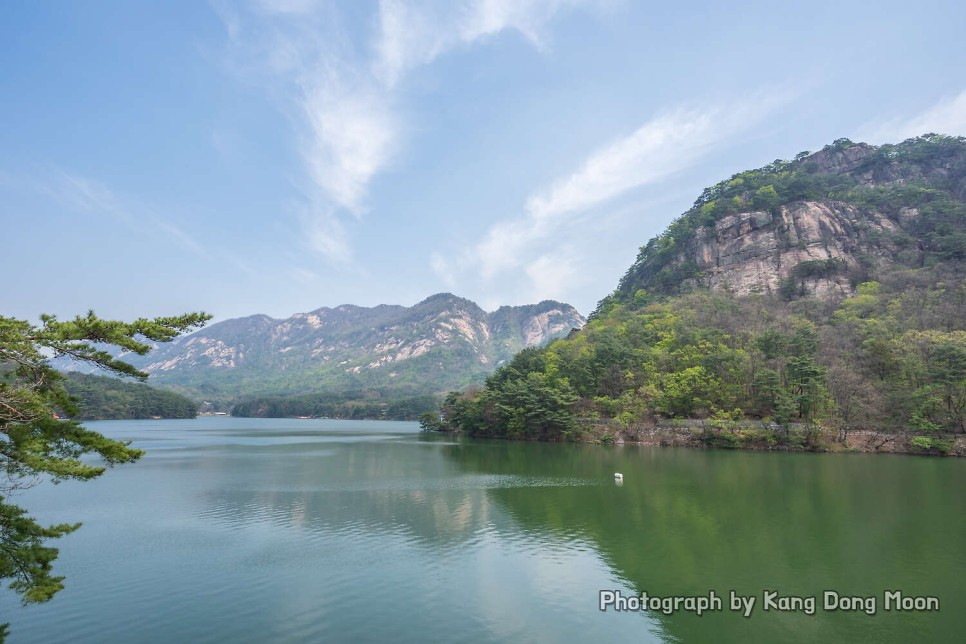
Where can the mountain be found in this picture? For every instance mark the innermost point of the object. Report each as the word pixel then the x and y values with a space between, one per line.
pixel 826 292
pixel 819 224
pixel 354 352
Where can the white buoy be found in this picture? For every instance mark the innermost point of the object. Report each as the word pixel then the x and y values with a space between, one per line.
pixel 619 476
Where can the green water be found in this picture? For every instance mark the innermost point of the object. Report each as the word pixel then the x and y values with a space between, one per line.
pixel 244 530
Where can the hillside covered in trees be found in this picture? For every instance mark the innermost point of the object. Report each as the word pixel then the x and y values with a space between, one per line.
pixel 104 398
pixel 825 293
pixel 351 405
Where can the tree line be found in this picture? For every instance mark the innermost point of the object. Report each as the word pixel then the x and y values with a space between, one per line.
pixel 104 398
pixel 328 405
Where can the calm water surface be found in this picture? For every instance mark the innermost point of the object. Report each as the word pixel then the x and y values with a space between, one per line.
pixel 249 530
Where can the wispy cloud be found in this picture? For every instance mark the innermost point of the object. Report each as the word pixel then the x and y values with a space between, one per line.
pixel 88 196
pixel 413 34
pixel 661 147
pixel 341 90
pixel 304 276
pixel 352 134
pixel 324 233
pixel 948 116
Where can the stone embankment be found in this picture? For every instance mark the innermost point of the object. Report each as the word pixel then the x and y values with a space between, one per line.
pixel 757 435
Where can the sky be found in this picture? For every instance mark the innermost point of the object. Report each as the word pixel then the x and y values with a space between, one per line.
pixel 277 156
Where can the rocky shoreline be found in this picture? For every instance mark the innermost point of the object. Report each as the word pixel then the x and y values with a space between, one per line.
pixel 761 437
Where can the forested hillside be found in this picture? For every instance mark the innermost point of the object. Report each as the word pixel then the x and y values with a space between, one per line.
pixel 349 405
pixel 103 398
pixel 825 292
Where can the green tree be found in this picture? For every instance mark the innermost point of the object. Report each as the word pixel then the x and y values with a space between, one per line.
pixel 35 442
pixel 536 405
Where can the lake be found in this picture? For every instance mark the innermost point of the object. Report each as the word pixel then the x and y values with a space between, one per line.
pixel 259 530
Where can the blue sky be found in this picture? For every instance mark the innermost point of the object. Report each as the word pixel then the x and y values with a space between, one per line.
pixel 281 155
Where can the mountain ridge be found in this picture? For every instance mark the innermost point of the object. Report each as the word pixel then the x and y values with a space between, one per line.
pixel 441 342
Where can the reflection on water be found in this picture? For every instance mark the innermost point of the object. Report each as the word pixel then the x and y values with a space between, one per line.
pixel 255 530
pixel 688 521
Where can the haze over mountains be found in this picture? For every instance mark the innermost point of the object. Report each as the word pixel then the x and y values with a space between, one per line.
pixel 441 343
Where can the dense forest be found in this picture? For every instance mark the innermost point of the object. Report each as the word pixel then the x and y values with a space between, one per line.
pixel 889 355
pixel 351 405
pixel 104 398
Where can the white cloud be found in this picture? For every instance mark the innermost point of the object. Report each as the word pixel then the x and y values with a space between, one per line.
pixel 342 97
pixel 659 148
pixel 352 136
pixel 529 17
pixel 556 216
pixel 408 36
pixel 413 34
pixel 948 116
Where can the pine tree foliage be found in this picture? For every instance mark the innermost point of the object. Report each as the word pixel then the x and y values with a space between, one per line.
pixel 36 443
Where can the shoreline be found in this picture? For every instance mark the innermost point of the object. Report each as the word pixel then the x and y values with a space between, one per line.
pixel 755 437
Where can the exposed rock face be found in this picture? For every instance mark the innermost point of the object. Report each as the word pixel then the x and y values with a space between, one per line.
pixel 753 251
pixel 442 342
pixel 840 161
pixel 806 244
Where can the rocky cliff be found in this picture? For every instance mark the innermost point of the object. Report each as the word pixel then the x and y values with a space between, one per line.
pixel 817 225
pixel 759 251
